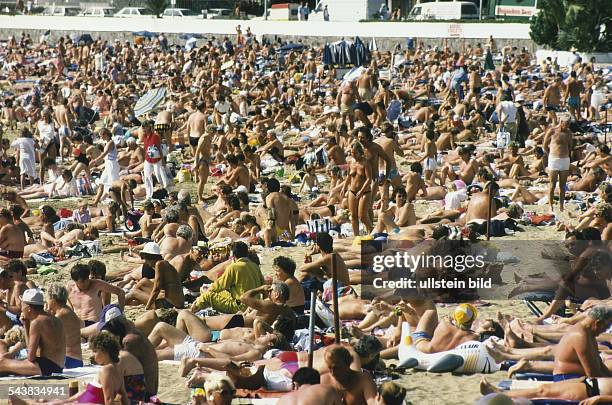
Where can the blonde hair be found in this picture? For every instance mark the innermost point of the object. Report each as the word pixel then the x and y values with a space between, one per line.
pixel 217 382
pixel 15 335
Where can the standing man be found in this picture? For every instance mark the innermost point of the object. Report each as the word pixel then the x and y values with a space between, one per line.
pixel 558 144
pixel 325 13
pixel 552 99
pixel 506 111
pixel 196 125
pixel 152 164
pixel 573 90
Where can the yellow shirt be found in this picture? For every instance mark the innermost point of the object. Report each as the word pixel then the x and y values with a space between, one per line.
pixel 239 277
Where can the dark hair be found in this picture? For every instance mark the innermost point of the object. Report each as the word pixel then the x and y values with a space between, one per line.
pixel 116 327
pixel 16 211
pixel 416 167
pixel 497 331
pixel 591 233
pixel 108 343
pixel 240 249
pixel 17 266
pixel 368 345
pixel 273 185
pixel 325 242
pixel 391 393
pixel 4 212
pixel 97 268
pixel 306 375
pixel 80 271
pixel 285 324
pixel 67 174
pixel 48 162
pixel 286 264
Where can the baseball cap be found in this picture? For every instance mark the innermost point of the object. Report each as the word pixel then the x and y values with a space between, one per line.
pixel 109 312
pixel 33 296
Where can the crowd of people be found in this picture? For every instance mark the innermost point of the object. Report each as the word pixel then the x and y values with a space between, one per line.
pixel 289 155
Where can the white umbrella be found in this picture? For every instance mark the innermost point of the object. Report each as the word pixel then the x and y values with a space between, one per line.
pixel 373 46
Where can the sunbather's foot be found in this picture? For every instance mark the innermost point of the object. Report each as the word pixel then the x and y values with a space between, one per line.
pixel 197 378
pixel 187 364
pixel 521 365
pixel 495 353
pixel 487 388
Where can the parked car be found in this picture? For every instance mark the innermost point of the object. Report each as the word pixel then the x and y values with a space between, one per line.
pixel 179 12
pixel 219 13
pixel 61 11
pixel 133 12
pixel 98 12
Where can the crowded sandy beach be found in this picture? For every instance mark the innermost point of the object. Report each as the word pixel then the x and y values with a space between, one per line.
pixel 238 221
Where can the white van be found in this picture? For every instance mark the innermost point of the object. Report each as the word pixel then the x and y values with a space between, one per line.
pixel 444 10
pixel 98 12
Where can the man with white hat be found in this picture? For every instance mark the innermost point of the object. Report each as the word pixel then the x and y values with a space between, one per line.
pixel 45 338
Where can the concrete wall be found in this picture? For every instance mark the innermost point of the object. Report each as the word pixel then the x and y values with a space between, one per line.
pixel 387 34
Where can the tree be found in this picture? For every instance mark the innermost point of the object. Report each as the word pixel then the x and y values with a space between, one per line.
pixel 157 7
pixel 584 25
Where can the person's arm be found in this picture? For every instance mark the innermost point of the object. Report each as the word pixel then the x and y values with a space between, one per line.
pixel 592 365
pixel 107 149
pixel 32 338
pixel 250 299
pixel 112 289
pixel 367 184
pixel 105 377
pixel 157 283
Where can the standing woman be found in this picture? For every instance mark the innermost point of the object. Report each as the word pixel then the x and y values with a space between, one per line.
pixel 108 384
pixel 26 153
pixel 111 166
pixel 359 184
pixel 48 137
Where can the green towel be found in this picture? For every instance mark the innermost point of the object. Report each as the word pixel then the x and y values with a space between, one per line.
pixel 47 269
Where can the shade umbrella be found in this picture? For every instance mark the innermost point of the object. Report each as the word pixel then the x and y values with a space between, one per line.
pixel 150 101
pixel 489 65
pixel 361 52
pixel 373 45
pixel 86 38
pixel 145 34
pixel 328 59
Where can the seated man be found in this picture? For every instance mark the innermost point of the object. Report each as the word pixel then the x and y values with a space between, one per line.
pixel 12 239
pixel 239 277
pixel 309 390
pixel 355 387
pixel 57 299
pixel 84 294
pixel 45 338
pixel 171 246
pixel 285 269
pixel 577 353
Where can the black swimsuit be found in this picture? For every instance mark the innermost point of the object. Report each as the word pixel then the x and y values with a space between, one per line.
pixel 148 271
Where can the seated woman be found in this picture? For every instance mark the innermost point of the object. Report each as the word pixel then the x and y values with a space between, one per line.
pixel 108 384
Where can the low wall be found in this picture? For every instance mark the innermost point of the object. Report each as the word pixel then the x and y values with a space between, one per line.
pixel 387 34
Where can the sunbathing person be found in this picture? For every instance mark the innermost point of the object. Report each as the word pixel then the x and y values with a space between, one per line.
pixel 12 239
pixel 57 303
pixel 164 291
pixel 84 294
pixel 45 337
pixel 108 384
pixel 309 390
pixel 595 390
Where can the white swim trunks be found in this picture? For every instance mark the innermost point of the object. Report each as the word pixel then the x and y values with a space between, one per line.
pixel 278 380
pixel 187 349
pixel 559 164
pixel 430 164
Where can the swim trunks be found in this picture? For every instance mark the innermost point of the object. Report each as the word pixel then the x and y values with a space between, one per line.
pixel 69 362
pixel 550 107
pixel 419 336
pixel 135 388
pixel 193 140
pixel 592 387
pixel 573 102
pixel 11 254
pixel 215 335
pixel 278 380
pixel 64 131
pixel 563 377
pixel 187 349
pixel 47 367
pixel 365 93
pixel 559 164
pixel 162 127
pixel 431 164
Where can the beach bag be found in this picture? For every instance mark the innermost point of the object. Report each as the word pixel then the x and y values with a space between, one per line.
pixel 319 225
pixel 132 219
pixel 503 139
